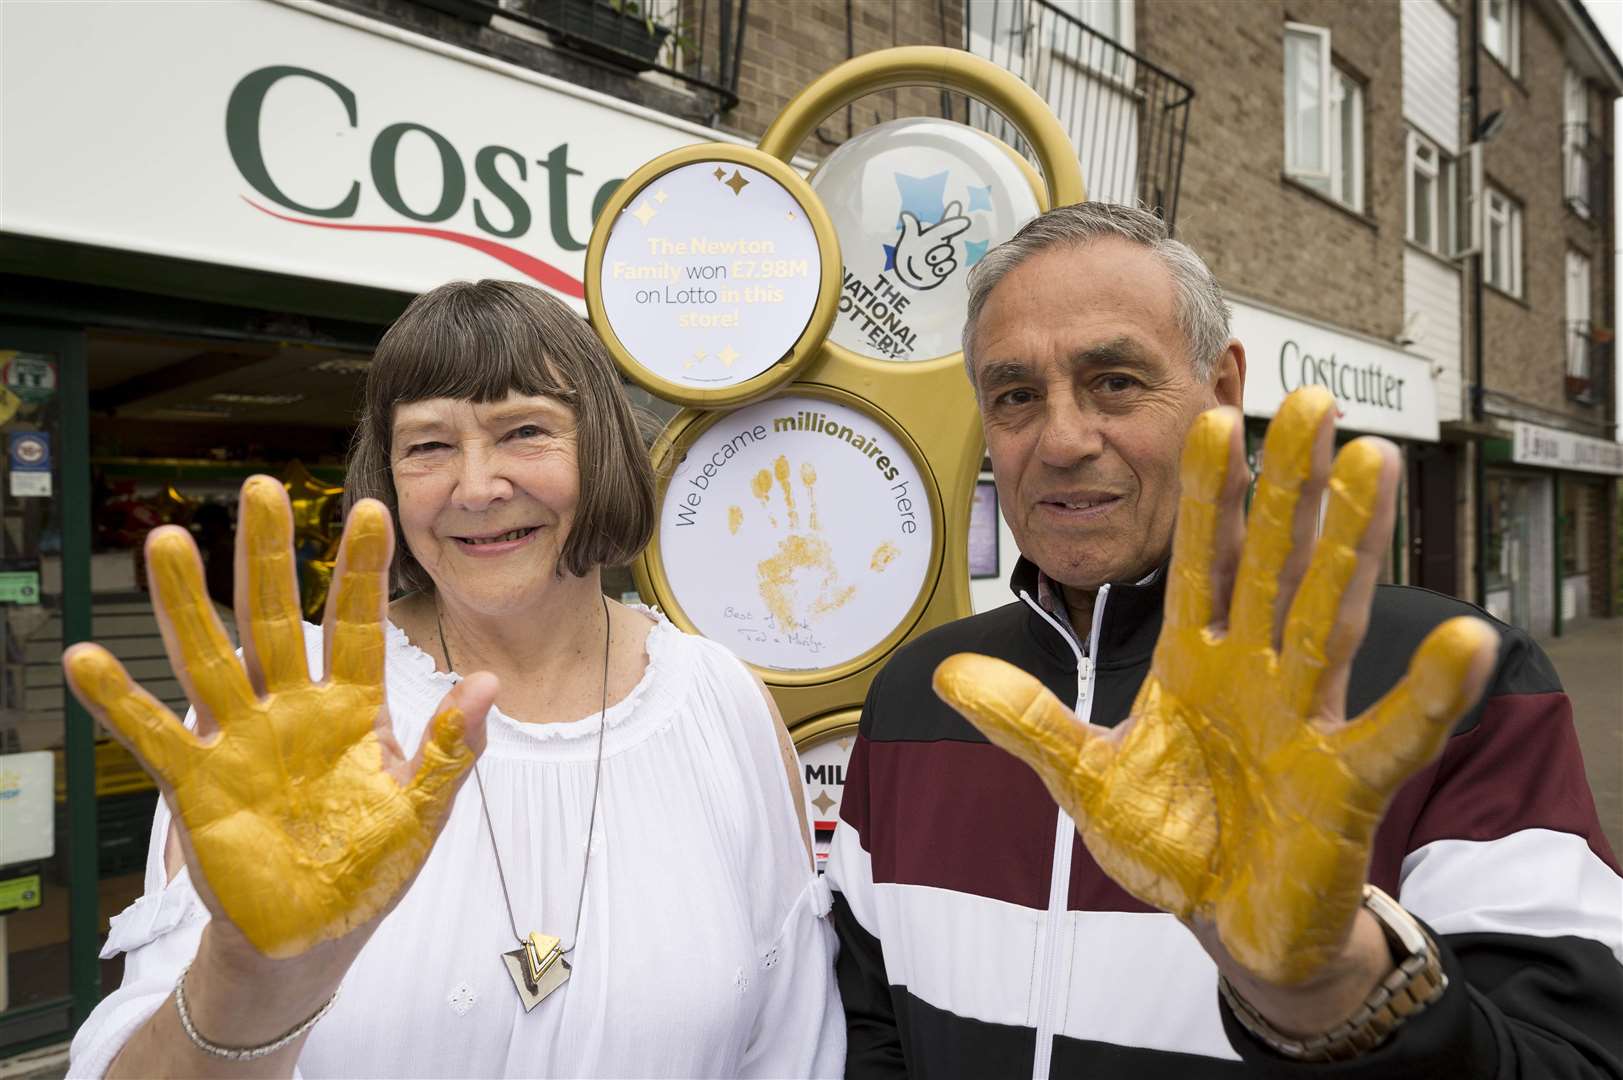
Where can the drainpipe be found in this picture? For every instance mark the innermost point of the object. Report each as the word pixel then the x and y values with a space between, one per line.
pixel 1479 473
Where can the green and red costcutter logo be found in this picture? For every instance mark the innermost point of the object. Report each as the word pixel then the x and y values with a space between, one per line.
pixel 501 176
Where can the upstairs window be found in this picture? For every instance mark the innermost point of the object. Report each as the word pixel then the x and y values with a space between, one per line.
pixel 1501 26
pixel 1324 118
pixel 1578 327
pixel 1502 242
pixel 1575 144
pixel 1432 196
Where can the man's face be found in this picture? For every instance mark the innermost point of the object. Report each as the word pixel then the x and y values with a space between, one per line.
pixel 1086 392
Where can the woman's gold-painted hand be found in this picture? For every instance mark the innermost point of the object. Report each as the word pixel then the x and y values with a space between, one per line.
pixel 301 819
pixel 1236 795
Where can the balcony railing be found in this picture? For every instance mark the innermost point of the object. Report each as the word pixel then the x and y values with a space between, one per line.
pixel 1587 169
pixel 1580 346
pixel 696 42
pixel 1126 117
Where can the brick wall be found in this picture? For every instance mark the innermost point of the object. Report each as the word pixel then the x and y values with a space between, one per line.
pixel 791 42
pixel 1525 338
pixel 1264 235
pixel 787 44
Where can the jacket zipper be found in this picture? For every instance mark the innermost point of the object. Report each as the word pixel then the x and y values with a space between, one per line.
pixel 1064 839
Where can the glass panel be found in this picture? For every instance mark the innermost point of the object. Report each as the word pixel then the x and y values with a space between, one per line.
pixel 1447 240
pixel 1496 251
pixel 1422 195
pixel 1350 122
pixel 1494 37
pixel 34 869
pixel 1304 109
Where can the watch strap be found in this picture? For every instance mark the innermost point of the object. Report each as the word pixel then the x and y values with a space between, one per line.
pixel 1415 983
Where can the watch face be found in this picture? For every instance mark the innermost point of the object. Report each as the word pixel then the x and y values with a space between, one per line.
pixel 916 203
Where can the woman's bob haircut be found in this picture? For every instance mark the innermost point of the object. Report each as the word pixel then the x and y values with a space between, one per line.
pixel 479 342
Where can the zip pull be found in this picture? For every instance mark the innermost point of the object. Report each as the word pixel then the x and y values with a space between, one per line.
pixel 1084 677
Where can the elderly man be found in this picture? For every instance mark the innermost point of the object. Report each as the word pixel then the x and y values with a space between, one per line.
pixel 1250 771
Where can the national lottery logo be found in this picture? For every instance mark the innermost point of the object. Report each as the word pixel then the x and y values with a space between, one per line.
pixel 917 203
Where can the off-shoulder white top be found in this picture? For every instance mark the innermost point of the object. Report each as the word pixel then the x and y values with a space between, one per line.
pixel 705 948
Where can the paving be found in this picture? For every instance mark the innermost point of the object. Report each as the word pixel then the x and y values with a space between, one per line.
pixel 1589 656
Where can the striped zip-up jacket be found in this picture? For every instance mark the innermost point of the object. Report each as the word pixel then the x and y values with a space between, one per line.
pixel 979 938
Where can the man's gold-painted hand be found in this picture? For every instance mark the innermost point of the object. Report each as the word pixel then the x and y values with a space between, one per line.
pixel 1236 795
pixel 301 819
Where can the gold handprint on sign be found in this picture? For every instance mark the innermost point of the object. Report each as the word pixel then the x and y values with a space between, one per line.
pixel 301 818
pixel 1236 795
pixel 803 555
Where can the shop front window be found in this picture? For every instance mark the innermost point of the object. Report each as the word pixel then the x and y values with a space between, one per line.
pixel 1574 521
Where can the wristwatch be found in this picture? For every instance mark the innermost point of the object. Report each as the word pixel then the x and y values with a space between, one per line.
pixel 1415 983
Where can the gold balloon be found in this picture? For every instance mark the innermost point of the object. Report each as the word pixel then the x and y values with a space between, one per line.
pixel 172 507
pixel 298 828
pixel 1235 793
pixel 315 506
pixel 315 580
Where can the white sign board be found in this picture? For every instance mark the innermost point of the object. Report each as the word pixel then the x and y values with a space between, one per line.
pixel 823 764
pixel 797 532
pixel 301 139
pixel 1378 389
pixel 27 807
pixel 1553 448
pixel 710 274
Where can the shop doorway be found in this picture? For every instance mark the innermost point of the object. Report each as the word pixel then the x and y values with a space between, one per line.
pixel 47 823
pixel 168 428
pixel 1433 495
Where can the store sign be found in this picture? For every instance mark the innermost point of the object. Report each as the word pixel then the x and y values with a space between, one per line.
pixel 1553 448
pixel 29 458
pixel 300 139
pixel 27 807
pixel 797 532
pixel 1378 389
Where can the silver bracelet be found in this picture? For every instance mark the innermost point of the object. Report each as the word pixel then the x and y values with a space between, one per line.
pixel 240 1053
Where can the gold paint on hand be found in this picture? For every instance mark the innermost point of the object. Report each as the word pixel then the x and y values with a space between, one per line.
pixel 301 818
pixel 1236 794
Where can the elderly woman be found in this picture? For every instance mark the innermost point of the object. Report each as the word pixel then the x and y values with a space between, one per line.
pixel 624 890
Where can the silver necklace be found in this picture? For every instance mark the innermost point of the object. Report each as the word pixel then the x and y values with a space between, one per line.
pixel 537 966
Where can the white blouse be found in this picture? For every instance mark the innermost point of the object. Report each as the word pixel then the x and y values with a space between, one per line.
pixel 705 949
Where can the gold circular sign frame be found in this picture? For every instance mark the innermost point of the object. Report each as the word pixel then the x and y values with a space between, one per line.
pixel 679 436
pixel 817 325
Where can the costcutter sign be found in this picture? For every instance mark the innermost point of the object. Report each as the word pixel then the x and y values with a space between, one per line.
pixel 1378 389
pixel 300 139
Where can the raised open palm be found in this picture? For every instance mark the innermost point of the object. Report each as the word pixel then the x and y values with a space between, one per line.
pixel 1236 794
pixel 301 819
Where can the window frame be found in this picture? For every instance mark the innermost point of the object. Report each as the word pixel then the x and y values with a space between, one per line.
pixel 1580 315
pixel 1340 106
pixel 1575 175
pixel 1511 58
pixel 1497 204
pixel 1319 36
pixel 1443 172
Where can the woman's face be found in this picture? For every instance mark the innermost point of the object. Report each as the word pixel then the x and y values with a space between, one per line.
pixel 487 494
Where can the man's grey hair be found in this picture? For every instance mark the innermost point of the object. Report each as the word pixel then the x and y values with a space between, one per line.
pixel 1198 302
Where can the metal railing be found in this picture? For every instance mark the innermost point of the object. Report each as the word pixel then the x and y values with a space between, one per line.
pixel 1128 118
pixel 1580 350
pixel 694 41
